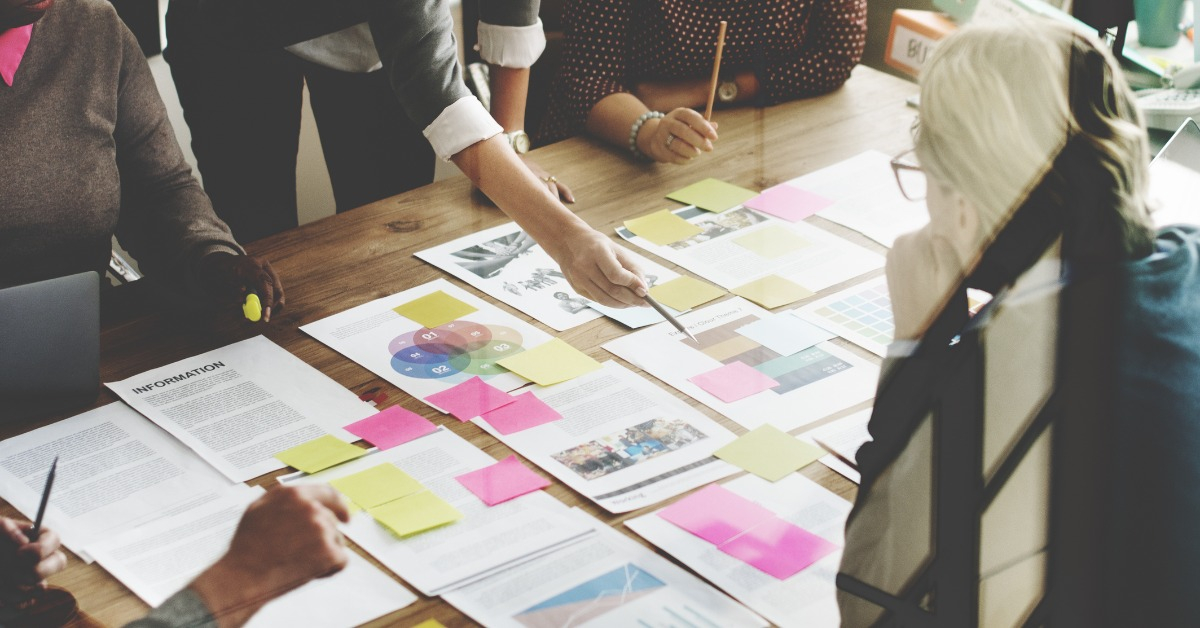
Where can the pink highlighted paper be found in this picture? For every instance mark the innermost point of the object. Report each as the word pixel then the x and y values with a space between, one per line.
pixel 502 481
pixel 715 514
pixel 778 548
pixel 732 382
pixel 525 412
pixel 470 399
pixel 391 427
pixel 789 203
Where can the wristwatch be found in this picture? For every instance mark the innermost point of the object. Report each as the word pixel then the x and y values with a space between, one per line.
pixel 727 91
pixel 519 140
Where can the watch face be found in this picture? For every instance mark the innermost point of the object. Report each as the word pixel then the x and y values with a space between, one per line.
pixel 727 91
pixel 520 141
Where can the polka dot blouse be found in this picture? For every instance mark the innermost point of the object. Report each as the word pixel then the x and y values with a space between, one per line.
pixel 795 47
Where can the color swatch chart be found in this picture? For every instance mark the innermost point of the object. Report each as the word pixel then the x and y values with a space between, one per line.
pixel 862 315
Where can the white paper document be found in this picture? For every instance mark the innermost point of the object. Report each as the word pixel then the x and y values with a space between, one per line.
pixel 508 265
pixel 116 471
pixel 423 361
pixel 608 580
pixel 865 197
pixel 843 438
pixel 741 245
pixel 239 405
pixel 813 383
pixel 484 541
pixel 807 599
pixel 623 442
pixel 161 558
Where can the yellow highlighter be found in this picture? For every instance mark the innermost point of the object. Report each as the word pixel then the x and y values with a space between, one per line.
pixel 252 308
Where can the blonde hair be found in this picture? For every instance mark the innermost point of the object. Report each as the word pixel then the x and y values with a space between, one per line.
pixel 1001 102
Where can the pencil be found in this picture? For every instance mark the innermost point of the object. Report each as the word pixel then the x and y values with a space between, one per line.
pixel 712 89
pixel 36 531
pixel 667 315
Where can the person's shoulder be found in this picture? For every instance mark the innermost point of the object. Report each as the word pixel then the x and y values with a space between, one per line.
pixel 94 15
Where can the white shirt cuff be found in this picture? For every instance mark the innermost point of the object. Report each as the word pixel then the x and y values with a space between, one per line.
pixel 511 46
pixel 460 125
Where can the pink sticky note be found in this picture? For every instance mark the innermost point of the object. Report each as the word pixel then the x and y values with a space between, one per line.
pixel 470 399
pixel 715 514
pixel 526 412
pixel 733 381
pixel 789 203
pixel 778 548
pixel 502 481
pixel 391 427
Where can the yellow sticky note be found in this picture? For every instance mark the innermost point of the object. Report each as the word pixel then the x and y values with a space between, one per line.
pixel 772 241
pixel 713 195
pixel 319 454
pixel 769 453
pixel 551 362
pixel 416 513
pixel 377 486
pixel 662 227
pixel 434 309
pixel 684 293
pixel 773 291
pixel 430 623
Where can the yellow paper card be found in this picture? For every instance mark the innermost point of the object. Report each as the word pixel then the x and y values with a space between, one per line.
pixel 377 486
pixel 319 454
pixel 430 623
pixel 772 242
pixel 551 362
pixel 416 513
pixel 713 195
pixel 684 293
pixel 662 227
pixel 773 291
pixel 769 453
pixel 434 309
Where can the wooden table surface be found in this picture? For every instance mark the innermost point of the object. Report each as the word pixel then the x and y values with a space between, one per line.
pixel 355 257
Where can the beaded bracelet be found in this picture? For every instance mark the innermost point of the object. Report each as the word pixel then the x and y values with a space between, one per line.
pixel 633 133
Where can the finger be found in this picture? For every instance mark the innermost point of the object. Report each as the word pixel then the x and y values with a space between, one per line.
pixel 694 141
pixel 697 122
pixel 48 542
pixel 276 284
pixel 50 565
pixel 14 531
pixel 325 495
pixel 619 282
pixel 564 192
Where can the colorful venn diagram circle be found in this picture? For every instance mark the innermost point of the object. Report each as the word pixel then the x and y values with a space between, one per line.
pixel 453 348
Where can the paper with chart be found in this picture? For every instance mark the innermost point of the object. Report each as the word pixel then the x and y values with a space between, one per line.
pixel 813 383
pixel 623 442
pixel 865 197
pixel 423 361
pixel 162 558
pixel 741 245
pixel 116 471
pixel 807 599
pixel 239 405
pixel 861 314
pixel 506 264
pixel 607 580
pixel 484 541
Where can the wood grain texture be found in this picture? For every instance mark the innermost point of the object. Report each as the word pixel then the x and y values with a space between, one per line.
pixel 358 256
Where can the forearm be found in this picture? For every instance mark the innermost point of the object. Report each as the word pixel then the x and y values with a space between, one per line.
pixel 613 116
pixel 510 87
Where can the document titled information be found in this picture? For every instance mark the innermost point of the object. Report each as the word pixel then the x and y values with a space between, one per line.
pixel 240 405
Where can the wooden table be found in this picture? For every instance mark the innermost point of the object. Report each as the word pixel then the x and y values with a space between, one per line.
pixel 352 258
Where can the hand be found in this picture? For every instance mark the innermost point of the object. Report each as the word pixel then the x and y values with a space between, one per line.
pixel 286 538
pixel 24 566
pixel 229 277
pixel 677 138
pixel 598 269
pixel 557 188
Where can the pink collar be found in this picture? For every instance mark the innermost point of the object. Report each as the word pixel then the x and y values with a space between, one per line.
pixel 13 43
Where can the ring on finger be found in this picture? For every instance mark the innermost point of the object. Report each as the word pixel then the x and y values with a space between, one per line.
pixel 550 179
pixel 670 138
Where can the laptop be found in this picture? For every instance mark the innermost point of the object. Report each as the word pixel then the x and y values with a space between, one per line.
pixel 1175 178
pixel 49 346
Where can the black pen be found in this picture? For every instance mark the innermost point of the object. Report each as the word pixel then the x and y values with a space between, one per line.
pixel 37 523
pixel 667 315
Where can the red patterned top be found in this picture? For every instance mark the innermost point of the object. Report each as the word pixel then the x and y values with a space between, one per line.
pixel 795 47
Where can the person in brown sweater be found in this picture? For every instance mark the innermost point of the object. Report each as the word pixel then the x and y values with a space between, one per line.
pixel 86 152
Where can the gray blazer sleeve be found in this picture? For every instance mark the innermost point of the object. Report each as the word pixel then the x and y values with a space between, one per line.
pixel 182 610
pixel 509 12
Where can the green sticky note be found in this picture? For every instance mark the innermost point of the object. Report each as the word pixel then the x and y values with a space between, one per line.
pixel 416 513
pixel 684 293
pixel 377 486
pixel 713 195
pixel 434 309
pixel 769 453
pixel 319 454
pixel 772 291
pixel 772 241
pixel 662 227
pixel 430 623
pixel 549 363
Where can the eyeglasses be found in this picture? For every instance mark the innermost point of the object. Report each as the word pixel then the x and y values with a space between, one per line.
pixel 909 176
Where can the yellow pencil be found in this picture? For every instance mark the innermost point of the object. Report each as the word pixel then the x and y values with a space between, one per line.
pixel 712 89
